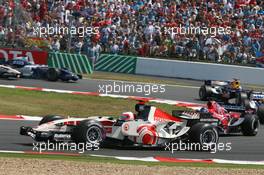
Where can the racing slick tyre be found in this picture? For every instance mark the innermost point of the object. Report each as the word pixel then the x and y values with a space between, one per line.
pixel 53 74
pixel 242 99
pixel 205 135
pixel 50 118
pixel 260 113
pixel 204 92
pixel 246 104
pixel 89 131
pixel 250 125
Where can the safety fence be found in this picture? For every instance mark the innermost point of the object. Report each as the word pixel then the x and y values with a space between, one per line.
pixel 179 69
pixel 116 63
pixel 77 63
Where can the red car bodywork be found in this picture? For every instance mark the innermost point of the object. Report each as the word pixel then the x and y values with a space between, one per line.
pixel 221 113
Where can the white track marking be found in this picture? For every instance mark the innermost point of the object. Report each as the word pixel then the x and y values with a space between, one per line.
pixel 238 162
pixel 16 152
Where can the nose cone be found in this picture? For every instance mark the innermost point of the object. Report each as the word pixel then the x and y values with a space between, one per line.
pixel 75 78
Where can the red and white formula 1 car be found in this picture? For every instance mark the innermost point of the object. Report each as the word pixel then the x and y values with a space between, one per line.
pixel 149 127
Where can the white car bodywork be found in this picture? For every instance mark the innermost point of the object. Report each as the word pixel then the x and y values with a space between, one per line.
pixel 27 71
pixel 159 129
pixel 10 71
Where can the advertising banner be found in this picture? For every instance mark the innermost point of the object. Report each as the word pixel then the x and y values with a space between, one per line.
pixel 39 57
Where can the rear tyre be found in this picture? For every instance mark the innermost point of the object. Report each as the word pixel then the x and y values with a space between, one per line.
pixel 260 113
pixel 50 118
pixel 205 135
pixel 53 74
pixel 250 125
pixel 246 104
pixel 204 92
pixel 89 131
pixel 242 98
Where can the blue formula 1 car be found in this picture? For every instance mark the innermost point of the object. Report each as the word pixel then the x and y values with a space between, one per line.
pixel 221 90
pixel 36 71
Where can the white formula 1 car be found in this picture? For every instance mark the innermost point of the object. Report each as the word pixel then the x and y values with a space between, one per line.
pixel 150 127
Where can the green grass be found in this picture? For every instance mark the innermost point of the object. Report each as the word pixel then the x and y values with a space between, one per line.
pixel 87 158
pixel 36 103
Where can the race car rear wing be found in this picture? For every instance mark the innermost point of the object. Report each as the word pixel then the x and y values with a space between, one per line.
pixel 215 82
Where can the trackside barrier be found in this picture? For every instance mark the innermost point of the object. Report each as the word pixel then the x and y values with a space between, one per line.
pixel 116 63
pixel 199 71
pixel 77 63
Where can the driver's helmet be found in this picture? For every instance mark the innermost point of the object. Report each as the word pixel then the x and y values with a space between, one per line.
pixel 235 84
pixel 212 105
pixel 215 107
pixel 128 116
pixel 203 110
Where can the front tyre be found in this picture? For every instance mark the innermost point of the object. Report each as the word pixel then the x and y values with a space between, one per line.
pixel 49 135
pixel 204 92
pixel 89 131
pixel 260 113
pixel 250 125
pixel 242 99
pixel 53 74
pixel 204 135
pixel 50 118
pixel 80 76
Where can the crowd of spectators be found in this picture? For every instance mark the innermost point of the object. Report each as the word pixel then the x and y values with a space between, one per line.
pixel 141 27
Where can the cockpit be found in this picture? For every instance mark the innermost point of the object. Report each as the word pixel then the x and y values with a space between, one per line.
pixel 142 111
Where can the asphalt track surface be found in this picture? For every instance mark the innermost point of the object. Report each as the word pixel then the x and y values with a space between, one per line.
pixel 243 148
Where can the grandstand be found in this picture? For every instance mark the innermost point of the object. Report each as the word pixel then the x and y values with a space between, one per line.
pixel 147 28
